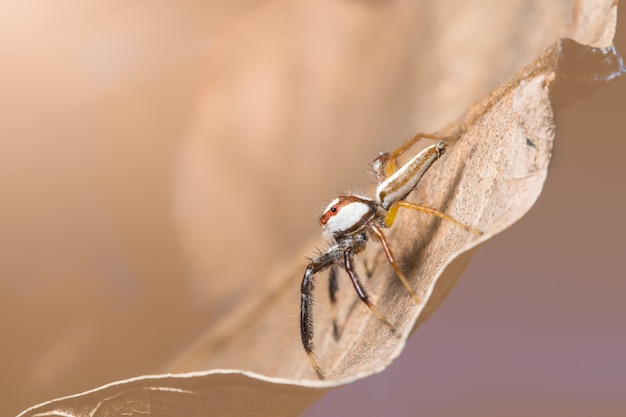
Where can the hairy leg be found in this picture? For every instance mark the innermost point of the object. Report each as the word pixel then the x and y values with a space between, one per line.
pixel 325 260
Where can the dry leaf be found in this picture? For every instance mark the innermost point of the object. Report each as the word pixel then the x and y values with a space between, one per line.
pixel 488 179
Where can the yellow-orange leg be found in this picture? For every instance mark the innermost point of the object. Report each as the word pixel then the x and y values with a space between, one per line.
pixel 380 236
pixel 393 211
pixel 390 165
pixel 389 220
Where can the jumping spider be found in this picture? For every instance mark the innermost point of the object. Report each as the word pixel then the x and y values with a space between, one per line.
pixel 351 219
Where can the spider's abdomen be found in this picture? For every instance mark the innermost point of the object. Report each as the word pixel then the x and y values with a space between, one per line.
pixel 347 214
pixel 403 181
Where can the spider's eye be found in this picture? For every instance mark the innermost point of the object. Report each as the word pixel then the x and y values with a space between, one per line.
pixel 333 209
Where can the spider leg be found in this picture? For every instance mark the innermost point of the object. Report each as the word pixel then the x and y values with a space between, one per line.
pixel 385 164
pixel 333 287
pixel 349 265
pixel 325 260
pixel 391 215
pixel 380 236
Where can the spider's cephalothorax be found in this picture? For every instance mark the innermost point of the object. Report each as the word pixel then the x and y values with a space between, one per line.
pixel 350 220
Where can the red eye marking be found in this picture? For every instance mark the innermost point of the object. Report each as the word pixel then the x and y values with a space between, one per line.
pixel 328 214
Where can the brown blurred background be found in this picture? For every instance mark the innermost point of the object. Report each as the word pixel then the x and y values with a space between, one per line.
pixel 154 156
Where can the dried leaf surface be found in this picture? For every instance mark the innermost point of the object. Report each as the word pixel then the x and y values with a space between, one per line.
pixel 214 393
pixel 489 178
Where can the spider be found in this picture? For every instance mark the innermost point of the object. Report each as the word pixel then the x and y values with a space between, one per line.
pixel 350 220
